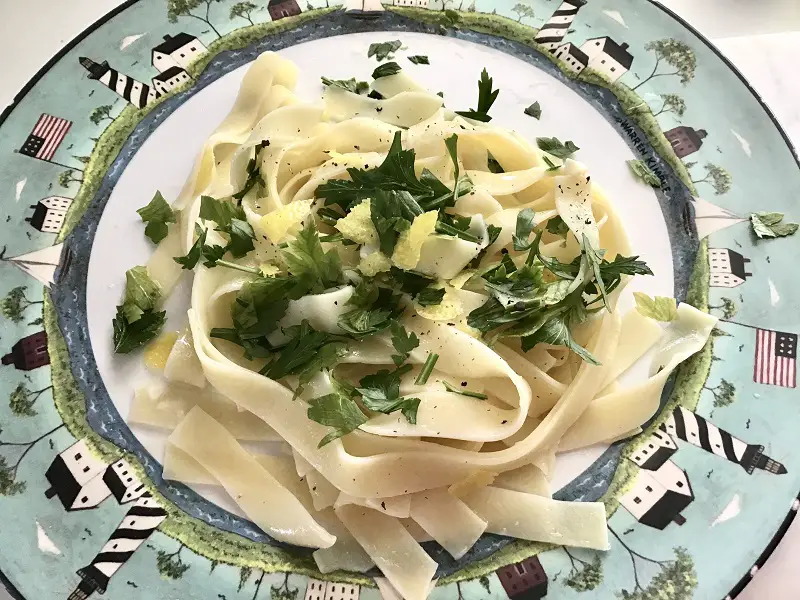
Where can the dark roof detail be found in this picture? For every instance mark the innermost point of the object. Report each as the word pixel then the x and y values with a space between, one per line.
pixel 172 43
pixel 279 2
pixel 576 3
pixel 579 54
pixel 619 52
pixel 168 74
pixel 737 264
pixel 657 458
pixel 39 215
pixel 666 509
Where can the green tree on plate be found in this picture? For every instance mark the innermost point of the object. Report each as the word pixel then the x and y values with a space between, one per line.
pixel 16 303
pixel 100 114
pixel 280 592
pixel 9 485
pixel 170 565
pixel 671 103
pixel 243 10
pixel 68 177
pixel 675 54
pixel 583 575
pixel 485 583
pixel 727 307
pixel 523 11
pixel 716 176
pixel 21 400
pixel 724 393
pixel 184 8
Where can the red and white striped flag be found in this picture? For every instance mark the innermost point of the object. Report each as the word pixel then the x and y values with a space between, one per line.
pixel 45 137
pixel 776 358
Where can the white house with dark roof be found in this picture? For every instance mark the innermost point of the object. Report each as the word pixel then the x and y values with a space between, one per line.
pixel 655 451
pixel 170 79
pixel 331 590
pixel 607 57
pixel 49 214
pixel 658 497
pixel 177 51
pixel 727 268
pixel 572 56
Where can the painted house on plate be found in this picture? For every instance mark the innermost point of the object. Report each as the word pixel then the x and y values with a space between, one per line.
pixel 727 268
pixel 176 51
pixel 49 214
pixel 659 495
pixel 607 57
pixel 525 580
pixel 331 590
pixel 29 353
pixel 280 9
pixel 572 56
pixel 685 140
pixel 170 79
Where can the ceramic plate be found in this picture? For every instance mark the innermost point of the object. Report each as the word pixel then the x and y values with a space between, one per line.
pixel 696 502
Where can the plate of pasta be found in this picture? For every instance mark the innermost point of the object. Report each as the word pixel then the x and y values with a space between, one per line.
pixel 404 303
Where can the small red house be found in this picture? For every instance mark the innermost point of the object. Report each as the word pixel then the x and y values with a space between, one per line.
pixel 524 580
pixel 278 9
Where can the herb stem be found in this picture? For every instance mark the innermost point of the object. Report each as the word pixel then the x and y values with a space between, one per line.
pixel 237 267
pixel 446 229
pixel 469 393
pixel 427 369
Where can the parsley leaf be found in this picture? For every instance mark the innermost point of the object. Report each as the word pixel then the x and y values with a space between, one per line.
pixel 375 309
pixel 130 336
pixel 386 69
pixel 494 233
pixel 141 293
pixel 304 257
pixel 524 227
pixel 659 308
pixel 389 220
pixel 189 261
pixel 402 342
pixel 381 392
pixel 534 110
pixel 556 226
pixel 230 219
pixel 350 85
pixel 551 166
pixel 382 50
pixel 486 97
pixel 555 147
pixel 612 272
pixel 556 332
pixel 494 166
pixel 642 172
pixel 253 172
pixel 419 59
pixel 157 214
pixel 771 225
pixel 430 296
pixel 337 410
pixel 464 392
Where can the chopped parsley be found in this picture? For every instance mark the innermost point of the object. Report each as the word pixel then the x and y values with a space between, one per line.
pixel 419 59
pixel 386 69
pixel 427 369
pixel 771 225
pixel 403 343
pixel 493 165
pixel 660 308
pixel 383 50
pixel 464 392
pixel 142 293
pixel 374 309
pixel 551 166
pixel 381 392
pixel 349 85
pixel 253 172
pixel 642 172
pixel 486 97
pixel 555 147
pixel 157 214
pixel 137 322
pixel 337 410
pixel 430 296
pixel 556 226
pixel 231 220
pixel 305 258
pixel 534 110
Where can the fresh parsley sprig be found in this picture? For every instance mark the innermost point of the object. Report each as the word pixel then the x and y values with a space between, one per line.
pixel 157 214
pixel 137 321
pixel 486 97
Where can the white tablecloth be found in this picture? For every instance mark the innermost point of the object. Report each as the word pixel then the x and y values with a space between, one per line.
pixel 761 38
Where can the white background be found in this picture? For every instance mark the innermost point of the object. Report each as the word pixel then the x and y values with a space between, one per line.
pixel 757 36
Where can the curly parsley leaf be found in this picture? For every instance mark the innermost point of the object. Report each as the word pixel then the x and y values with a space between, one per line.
pixel 486 97
pixel 643 173
pixel 350 85
pixel 385 70
pixel 402 342
pixel 555 147
pixel 419 59
pixel 337 410
pixel 382 50
pixel 381 392
pixel 157 214
pixel 142 293
pixel 771 225
pixel 130 336
pixel 534 110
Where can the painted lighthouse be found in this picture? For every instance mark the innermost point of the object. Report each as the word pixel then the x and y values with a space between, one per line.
pixel 552 33
pixel 137 93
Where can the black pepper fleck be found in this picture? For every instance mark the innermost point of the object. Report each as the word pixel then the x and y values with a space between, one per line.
pixel 463 384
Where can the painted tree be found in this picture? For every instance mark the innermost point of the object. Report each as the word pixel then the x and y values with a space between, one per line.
pixel 244 575
pixel 727 307
pixel 100 114
pixel 583 575
pixel 485 583
pixel 690 164
pixel 675 580
pixel 280 592
pixel 671 103
pixel 244 10
pixel 21 399
pixel 16 303
pixel 9 485
pixel 82 159
pixel 523 11
pixel 170 565
pixel 724 393
pixel 68 177
pixel 675 54
pixel 184 8
pixel 717 177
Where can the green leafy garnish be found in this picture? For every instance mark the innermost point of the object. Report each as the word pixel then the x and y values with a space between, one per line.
pixel 464 391
pixel 350 85
pixel 556 226
pixel 142 293
pixel 130 336
pixel 555 147
pixel 253 172
pixel 524 227
pixel 381 392
pixel 486 97
pixel 427 369
pixel 305 258
pixel 771 225
pixel 534 110
pixel 556 332
pixel 419 59
pixel 195 253
pixel 642 172
pixel 659 308
pixel 382 50
pixel 386 69
pixel 456 226
pixel 337 410
pixel 389 220
pixel 494 166
pixel 403 343
pixel 430 296
pixel 410 282
pixel 232 220
pixel 374 309
pixel 157 214
pixel 494 233
pixel 551 166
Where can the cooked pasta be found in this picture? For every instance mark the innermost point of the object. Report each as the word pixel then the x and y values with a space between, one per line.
pixel 422 306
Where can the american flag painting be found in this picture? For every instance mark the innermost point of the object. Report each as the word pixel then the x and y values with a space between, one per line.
pixel 776 358
pixel 45 137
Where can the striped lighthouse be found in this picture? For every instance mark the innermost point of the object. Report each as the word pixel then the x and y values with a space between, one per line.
pixel 692 428
pixel 137 93
pixel 139 523
pixel 552 33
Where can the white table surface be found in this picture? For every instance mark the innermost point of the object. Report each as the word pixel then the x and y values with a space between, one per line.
pixel 756 36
